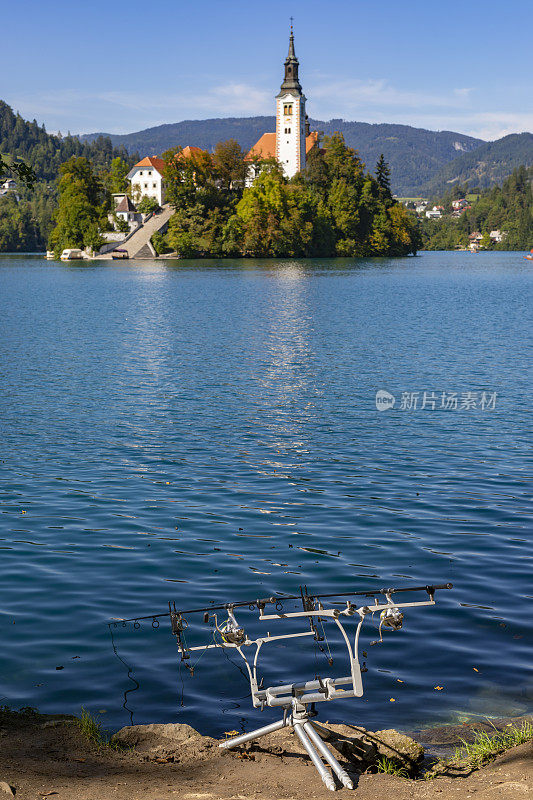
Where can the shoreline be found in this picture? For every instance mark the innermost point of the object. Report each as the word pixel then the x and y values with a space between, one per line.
pixel 53 754
pixel 170 256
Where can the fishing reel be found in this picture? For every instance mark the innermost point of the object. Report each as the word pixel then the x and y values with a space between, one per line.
pixel 231 631
pixel 391 617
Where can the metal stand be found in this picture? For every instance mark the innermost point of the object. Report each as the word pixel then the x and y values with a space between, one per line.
pixel 308 733
pixel 294 698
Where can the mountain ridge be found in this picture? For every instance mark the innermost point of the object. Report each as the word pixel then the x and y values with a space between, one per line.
pixel 486 165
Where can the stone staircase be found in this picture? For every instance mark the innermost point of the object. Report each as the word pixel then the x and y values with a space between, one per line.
pixel 138 244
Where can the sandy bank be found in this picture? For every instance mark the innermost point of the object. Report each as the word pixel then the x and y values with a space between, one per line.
pixel 47 756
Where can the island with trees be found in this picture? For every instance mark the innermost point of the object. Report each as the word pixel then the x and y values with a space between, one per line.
pixel 333 207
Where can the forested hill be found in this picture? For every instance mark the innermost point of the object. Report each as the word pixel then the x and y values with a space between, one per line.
pixel 45 152
pixel 414 154
pixel 487 165
pixel 507 208
pixel 26 225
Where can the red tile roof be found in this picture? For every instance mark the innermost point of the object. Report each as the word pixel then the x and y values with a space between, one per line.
pixel 152 161
pixel 311 141
pixel 264 148
pixel 189 151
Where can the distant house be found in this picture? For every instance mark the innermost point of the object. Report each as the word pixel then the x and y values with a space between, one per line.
pixel 127 211
pixel 146 179
pixel 497 236
pixel 459 204
pixel 460 210
pixel 435 212
pixel 8 186
pixel 475 240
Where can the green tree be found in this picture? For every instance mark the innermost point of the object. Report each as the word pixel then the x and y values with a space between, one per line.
pixel 229 164
pixel 383 176
pixel 160 243
pixel 274 218
pixel 115 179
pixel 147 204
pixel 188 178
pixel 80 212
pixel 486 241
pixel 121 224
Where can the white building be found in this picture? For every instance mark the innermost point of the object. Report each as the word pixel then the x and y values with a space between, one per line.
pixel 126 210
pixel 9 186
pixel 146 179
pixel 292 141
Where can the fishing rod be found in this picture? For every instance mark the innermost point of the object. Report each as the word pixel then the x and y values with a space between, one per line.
pixel 275 599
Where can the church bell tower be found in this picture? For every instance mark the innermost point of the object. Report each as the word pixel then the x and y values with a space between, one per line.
pixel 290 117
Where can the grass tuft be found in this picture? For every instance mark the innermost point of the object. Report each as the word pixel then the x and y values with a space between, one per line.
pixel 389 767
pixel 91 728
pixel 484 747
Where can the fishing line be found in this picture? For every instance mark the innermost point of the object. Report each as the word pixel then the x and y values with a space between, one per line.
pixel 132 679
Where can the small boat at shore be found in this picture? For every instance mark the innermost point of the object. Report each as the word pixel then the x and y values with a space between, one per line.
pixel 72 254
pixel 119 253
pixel 529 255
pixel 49 255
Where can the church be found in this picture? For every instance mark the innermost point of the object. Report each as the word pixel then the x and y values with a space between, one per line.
pixel 293 140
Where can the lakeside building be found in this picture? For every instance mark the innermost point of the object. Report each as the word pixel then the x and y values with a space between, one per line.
pixel 127 211
pixel 292 140
pixel 146 179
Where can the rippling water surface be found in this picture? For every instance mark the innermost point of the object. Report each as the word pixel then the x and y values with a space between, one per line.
pixel 208 431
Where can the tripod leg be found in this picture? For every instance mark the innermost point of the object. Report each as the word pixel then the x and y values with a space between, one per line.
pixel 320 729
pixel 247 737
pixel 326 753
pixel 313 755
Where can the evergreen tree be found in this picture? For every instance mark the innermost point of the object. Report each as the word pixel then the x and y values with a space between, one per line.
pixel 383 176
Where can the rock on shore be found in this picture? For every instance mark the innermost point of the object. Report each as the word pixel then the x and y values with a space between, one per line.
pixel 362 749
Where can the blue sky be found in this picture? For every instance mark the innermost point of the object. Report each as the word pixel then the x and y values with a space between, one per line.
pixel 120 67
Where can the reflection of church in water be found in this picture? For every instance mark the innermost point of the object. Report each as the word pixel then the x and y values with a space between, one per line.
pixel 293 140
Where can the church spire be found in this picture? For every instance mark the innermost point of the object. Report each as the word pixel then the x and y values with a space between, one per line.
pixel 290 80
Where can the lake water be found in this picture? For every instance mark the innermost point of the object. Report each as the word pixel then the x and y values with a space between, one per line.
pixel 208 431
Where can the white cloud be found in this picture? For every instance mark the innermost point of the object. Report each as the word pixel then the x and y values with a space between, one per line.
pixel 375 100
pixel 345 97
pixel 118 111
